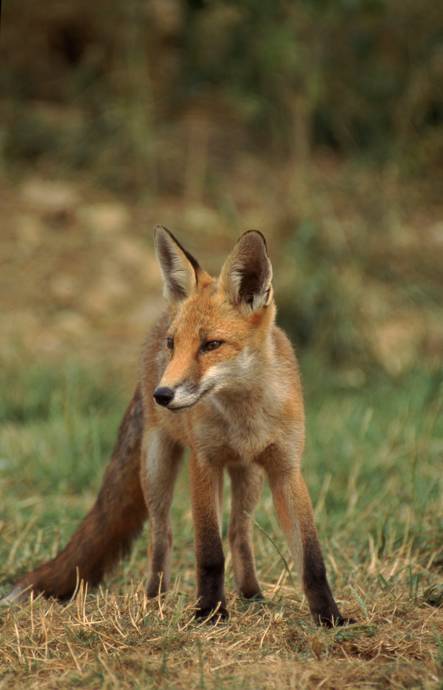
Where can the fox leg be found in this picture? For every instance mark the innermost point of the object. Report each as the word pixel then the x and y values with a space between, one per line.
pixel 294 512
pixel 246 486
pixel 205 489
pixel 158 475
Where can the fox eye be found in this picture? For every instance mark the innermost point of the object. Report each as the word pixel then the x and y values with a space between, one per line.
pixel 211 345
pixel 170 342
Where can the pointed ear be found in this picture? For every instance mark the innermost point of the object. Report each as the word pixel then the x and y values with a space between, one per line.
pixel 247 273
pixel 179 269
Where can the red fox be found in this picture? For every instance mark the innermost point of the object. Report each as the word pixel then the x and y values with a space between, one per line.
pixel 220 378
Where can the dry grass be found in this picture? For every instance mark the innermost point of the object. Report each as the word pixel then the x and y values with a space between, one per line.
pixel 124 640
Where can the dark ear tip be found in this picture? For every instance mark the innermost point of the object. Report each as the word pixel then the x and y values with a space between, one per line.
pixel 257 234
pixel 159 230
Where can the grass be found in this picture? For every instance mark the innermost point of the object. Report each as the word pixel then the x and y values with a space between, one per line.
pixel 373 464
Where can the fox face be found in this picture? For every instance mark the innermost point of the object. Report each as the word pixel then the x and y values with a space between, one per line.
pixel 220 327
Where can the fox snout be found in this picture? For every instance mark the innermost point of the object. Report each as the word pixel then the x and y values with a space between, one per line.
pixel 163 395
pixel 177 397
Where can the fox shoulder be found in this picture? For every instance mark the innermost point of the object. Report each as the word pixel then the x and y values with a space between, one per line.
pixel 289 369
pixel 284 349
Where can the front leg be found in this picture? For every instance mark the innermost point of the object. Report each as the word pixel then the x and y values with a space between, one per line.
pixel 205 488
pixel 246 486
pixel 158 476
pixel 295 515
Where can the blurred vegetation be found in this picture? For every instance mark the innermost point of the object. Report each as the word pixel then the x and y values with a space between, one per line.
pixel 325 116
pixel 356 76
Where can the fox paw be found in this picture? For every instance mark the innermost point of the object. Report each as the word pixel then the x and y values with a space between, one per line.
pixel 333 621
pixel 212 615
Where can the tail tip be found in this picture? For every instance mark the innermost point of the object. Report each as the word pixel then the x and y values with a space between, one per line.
pixel 17 595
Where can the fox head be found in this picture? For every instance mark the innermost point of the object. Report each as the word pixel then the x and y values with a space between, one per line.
pixel 219 328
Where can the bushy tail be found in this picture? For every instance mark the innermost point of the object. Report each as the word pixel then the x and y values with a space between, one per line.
pixel 107 531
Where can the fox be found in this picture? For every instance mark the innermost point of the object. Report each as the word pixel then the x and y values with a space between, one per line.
pixel 217 377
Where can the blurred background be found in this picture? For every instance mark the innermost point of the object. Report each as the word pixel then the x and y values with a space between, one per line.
pixel 318 122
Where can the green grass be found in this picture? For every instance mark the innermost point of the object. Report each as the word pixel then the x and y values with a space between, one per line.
pixel 373 464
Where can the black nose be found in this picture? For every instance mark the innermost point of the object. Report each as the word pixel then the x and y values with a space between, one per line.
pixel 163 396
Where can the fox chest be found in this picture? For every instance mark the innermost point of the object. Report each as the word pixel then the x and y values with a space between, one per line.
pixel 236 435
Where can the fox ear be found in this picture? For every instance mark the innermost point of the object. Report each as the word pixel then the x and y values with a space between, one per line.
pixel 179 269
pixel 247 273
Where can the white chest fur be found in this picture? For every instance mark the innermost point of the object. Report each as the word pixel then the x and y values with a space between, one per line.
pixel 247 427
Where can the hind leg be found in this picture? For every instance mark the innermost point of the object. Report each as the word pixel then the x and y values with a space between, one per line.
pixel 246 482
pixel 159 473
